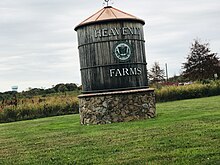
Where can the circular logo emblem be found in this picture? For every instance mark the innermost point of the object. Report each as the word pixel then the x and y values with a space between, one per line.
pixel 122 51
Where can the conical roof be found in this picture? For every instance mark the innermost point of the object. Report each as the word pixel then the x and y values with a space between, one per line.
pixel 108 13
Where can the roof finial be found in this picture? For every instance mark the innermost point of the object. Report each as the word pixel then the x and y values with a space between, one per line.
pixel 107 1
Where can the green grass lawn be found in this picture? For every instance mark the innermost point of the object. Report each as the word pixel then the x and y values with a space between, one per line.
pixel 184 132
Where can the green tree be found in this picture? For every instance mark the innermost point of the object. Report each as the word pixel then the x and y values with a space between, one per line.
pixel 62 88
pixel 156 74
pixel 71 86
pixel 201 64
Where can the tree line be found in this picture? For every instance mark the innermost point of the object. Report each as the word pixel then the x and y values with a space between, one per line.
pixel 40 91
pixel 201 64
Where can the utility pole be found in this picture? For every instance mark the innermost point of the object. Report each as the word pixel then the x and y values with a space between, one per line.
pixel 166 72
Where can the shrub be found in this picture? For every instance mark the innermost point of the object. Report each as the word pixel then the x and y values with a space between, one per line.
pixel 197 90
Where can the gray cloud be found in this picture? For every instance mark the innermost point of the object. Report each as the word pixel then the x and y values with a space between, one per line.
pixel 38 46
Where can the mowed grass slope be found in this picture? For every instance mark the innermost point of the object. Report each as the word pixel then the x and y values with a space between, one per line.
pixel 184 132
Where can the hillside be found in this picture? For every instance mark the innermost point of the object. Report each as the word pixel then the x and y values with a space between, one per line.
pixel 184 132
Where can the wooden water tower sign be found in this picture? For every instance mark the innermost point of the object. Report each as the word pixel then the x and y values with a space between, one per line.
pixel 113 66
pixel 112 52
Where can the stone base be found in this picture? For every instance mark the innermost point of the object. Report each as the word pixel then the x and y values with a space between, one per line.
pixel 119 106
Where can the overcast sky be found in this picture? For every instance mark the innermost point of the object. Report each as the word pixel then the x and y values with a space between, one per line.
pixel 38 44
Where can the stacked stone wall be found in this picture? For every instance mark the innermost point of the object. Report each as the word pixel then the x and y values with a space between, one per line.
pixel 121 106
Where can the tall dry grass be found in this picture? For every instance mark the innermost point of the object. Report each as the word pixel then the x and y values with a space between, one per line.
pixel 38 107
pixel 196 90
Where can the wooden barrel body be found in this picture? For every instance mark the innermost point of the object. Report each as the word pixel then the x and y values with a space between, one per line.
pixel 112 56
